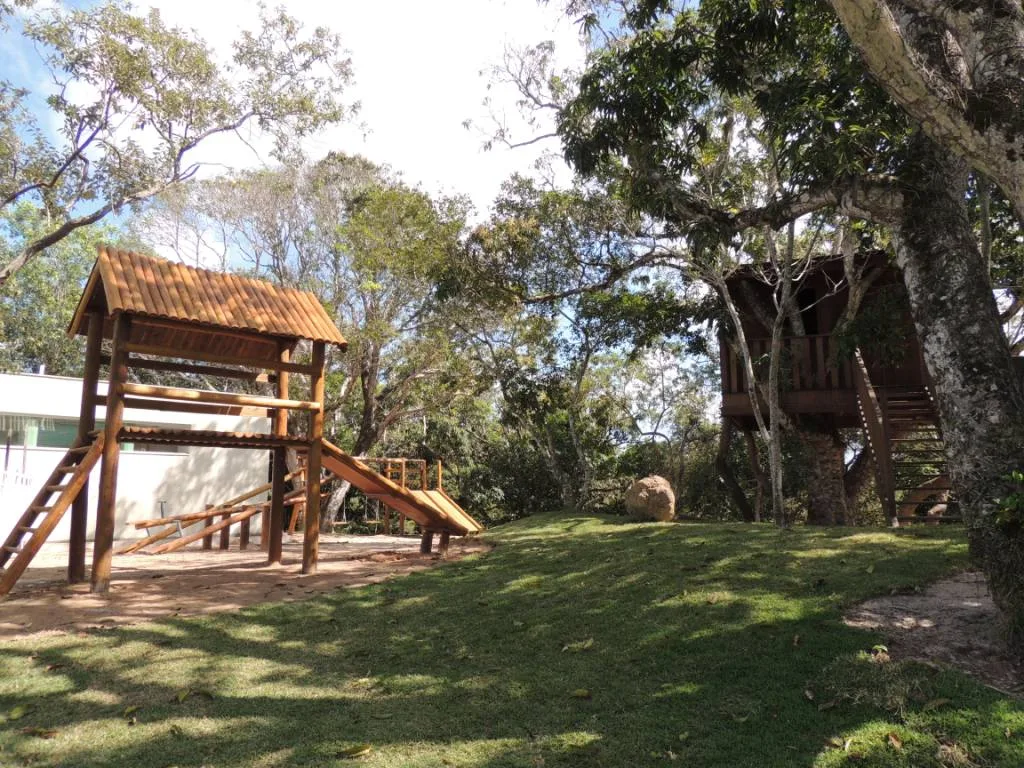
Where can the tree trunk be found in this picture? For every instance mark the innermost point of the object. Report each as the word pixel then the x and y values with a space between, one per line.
pixel 826 491
pixel 726 475
pixel 856 479
pixel 754 457
pixel 980 402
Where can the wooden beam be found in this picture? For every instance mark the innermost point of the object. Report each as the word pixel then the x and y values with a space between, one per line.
pixel 208 396
pixel 180 407
pixel 193 517
pixel 209 438
pixel 86 424
pixel 193 368
pixel 279 427
pixel 311 540
pixel 103 540
pixel 184 541
pixel 207 357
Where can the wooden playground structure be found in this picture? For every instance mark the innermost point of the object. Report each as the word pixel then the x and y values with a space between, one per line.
pixel 166 317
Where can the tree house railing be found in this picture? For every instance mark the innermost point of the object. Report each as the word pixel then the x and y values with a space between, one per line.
pixel 809 363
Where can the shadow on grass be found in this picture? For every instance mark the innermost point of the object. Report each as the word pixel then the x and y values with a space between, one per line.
pixel 575 642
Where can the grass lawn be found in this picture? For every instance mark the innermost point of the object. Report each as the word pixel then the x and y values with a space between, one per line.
pixel 576 642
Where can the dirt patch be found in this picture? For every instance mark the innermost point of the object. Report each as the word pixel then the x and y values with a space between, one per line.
pixel 193 582
pixel 953 622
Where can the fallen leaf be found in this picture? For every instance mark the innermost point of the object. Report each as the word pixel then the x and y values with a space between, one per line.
pixel 796 640
pixel 808 694
pixel 870 568
pixel 895 741
pixel 359 750
pixel 54 667
pixel 581 693
pixel 130 710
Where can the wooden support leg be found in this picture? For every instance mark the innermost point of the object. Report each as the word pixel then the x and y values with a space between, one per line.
pixel 103 541
pixel 86 423
pixel 265 529
pixel 442 547
pixel 208 539
pixel 243 533
pixel 426 543
pixel 274 535
pixel 387 521
pixel 311 540
pixel 401 525
pixel 225 532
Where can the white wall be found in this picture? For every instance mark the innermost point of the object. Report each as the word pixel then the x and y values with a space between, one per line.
pixel 185 481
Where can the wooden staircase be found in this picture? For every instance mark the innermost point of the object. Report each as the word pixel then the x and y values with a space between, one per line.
pixel 918 451
pixel 50 504
pixel 905 436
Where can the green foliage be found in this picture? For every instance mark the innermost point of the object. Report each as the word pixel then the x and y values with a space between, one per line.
pixel 133 99
pixel 1010 509
pixel 36 306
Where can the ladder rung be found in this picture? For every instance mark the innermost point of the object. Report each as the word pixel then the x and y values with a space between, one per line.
pixel 39 508
pixel 26 529
pixel 12 550
pixel 80 449
pixel 66 469
pixel 54 488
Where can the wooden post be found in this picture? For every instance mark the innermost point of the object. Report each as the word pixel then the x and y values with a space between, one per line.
pixel 423 475
pixel 311 540
pixel 103 541
pixel 440 486
pixel 401 524
pixel 86 424
pixel 265 528
pixel 442 547
pixel 426 543
pixel 244 529
pixel 225 532
pixel 280 429
pixel 208 539
pixel 403 483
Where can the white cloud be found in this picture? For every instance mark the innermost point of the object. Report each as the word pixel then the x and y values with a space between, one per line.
pixel 417 68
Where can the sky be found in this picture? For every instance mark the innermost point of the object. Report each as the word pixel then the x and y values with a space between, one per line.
pixel 417 74
pixel 417 68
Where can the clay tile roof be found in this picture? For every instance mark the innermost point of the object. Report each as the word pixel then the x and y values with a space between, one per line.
pixel 148 286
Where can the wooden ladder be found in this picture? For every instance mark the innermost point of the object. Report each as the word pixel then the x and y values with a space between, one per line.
pixel 59 490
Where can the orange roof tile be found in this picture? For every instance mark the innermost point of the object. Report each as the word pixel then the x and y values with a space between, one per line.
pixel 144 285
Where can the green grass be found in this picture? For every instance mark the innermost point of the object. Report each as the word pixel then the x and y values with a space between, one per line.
pixel 576 642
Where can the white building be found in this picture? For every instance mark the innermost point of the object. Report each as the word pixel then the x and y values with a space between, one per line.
pixel 39 421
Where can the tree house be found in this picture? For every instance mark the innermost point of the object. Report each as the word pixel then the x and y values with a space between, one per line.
pixel 871 376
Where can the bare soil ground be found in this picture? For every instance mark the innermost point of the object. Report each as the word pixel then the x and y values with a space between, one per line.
pixel 193 581
pixel 953 622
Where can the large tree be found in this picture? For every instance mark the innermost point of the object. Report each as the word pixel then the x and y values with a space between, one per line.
pixel 646 110
pixel 132 101
pixel 957 68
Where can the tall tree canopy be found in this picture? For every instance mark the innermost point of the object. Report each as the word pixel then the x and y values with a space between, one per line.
pixel 133 100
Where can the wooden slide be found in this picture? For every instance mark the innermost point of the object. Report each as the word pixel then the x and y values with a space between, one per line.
pixel 433 511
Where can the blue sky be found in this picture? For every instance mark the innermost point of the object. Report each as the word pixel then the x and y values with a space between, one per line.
pixel 417 69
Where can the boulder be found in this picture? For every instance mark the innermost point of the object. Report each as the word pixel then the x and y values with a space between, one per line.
pixel 651 498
